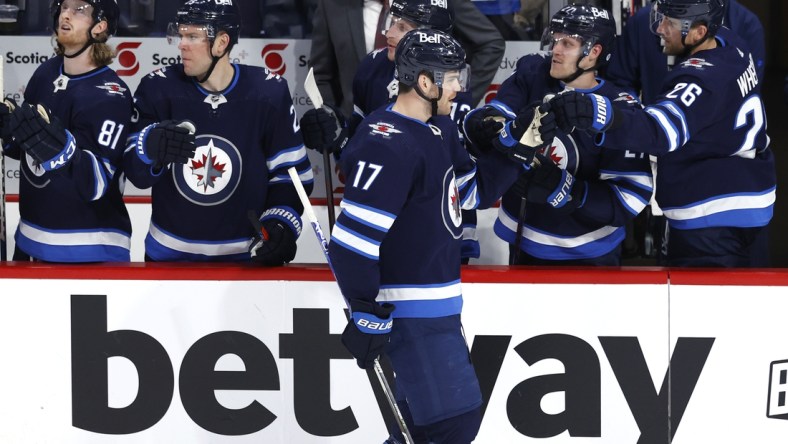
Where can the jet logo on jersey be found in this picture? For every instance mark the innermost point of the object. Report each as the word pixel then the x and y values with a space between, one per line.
pixel 213 174
pixel 450 205
pixel 112 88
pixel 696 63
pixel 384 129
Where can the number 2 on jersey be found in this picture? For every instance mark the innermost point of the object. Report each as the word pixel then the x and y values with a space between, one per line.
pixel 362 171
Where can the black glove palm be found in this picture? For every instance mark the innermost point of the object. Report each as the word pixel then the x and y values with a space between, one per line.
pixel 482 126
pixel 274 243
pixel 324 129
pixel 42 136
pixel 166 142
pixel 367 332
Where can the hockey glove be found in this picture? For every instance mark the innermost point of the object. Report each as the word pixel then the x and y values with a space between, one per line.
pixel 324 129
pixel 367 332
pixel 160 144
pixel 7 107
pixel 42 136
pixel 274 242
pixel 481 126
pixel 522 137
pixel 556 187
pixel 582 111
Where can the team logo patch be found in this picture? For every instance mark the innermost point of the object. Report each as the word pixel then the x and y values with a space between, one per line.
pixel 563 152
pixel 215 100
pixel 696 63
pixel 212 175
pixel 34 173
pixel 450 205
pixel 112 88
pixel 384 129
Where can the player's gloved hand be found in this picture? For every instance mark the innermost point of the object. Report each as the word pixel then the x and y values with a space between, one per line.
pixel 7 107
pixel 367 332
pixel 520 186
pixel 276 232
pixel 524 136
pixel 582 111
pixel 482 125
pixel 162 143
pixel 324 129
pixel 42 136
pixel 554 186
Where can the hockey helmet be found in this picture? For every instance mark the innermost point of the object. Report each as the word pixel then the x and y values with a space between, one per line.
pixel 689 12
pixel 213 15
pixel 589 24
pixel 433 52
pixel 433 14
pixel 102 10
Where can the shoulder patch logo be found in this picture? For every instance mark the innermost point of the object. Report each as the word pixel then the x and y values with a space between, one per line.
pixel 696 63
pixel 384 129
pixel 112 88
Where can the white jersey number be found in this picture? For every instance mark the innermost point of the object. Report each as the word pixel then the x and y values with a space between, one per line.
pixel 110 132
pixel 362 166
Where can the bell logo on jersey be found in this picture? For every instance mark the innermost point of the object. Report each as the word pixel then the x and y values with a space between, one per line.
pixel 212 175
pixel 439 3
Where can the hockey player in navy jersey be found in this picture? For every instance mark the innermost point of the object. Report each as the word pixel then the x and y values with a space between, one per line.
pixel 68 137
pixel 604 188
pixel 375 85
pixel 247 136
pixel 715 172
pixel 395 245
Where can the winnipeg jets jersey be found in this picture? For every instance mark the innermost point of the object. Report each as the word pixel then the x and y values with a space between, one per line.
pixel 247 137
pixel 76 213
pixel 374 86
pixel 708 128
pixel 398 237
pixel 619 183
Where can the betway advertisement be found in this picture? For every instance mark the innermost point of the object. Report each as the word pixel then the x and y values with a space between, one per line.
pixel 208 359
pixel 137 57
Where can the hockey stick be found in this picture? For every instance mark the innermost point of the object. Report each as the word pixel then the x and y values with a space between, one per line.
pixel 321 238
pixel 3 243
pixel 518 236
pixel 310 86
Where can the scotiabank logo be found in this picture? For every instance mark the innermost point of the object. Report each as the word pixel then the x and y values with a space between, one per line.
pixel 272 58
pixel 127 59
pixel 777 406
pixel 491 93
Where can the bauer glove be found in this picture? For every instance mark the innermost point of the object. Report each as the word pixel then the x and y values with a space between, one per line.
pixel 324 129
pixel 551 185
pixel 42 136
pixel 276 232
pixel 367 332
pixel 582 111
pixel 162 143
pixel 522 137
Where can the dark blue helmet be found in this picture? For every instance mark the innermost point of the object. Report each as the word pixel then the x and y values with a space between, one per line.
pixel 430 51
pixel 102 10
pixel 433 14
pixel 587 23
pixel 708 12
pixel 215 15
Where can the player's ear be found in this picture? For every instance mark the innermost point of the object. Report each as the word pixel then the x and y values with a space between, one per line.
pixel 221 42
pixel 99 28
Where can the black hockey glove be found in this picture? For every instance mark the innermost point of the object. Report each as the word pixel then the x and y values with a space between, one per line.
pixel 556 187
pixel 276 232
pixel 524 136
pixel 324 129
pixel 7 107
pixel 367 332
pixel 42 136
pixel 160 144
pixel 582 111
pixel 482 125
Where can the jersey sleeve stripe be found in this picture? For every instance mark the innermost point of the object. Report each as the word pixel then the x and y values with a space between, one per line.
pixel 287 158
pixel 671 132
pixel 101 183
pixel 471 199
pixel 676 111
pixel 355 242
pixel 369 216
pixel 643 181
pixel 500 106
pixel 633 202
